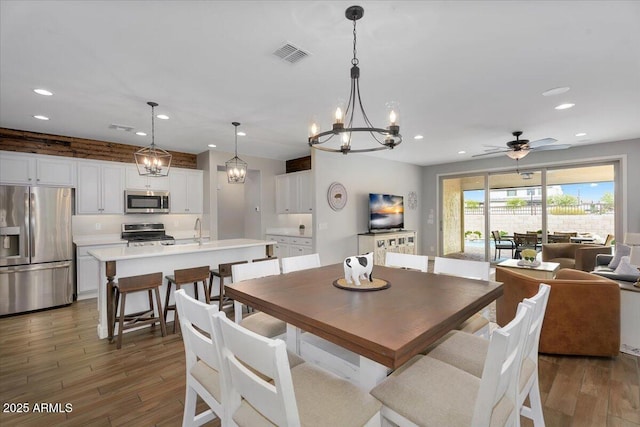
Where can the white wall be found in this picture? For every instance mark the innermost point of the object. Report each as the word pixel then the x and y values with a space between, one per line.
pixel 361 175
pixel 627 150
pixel 230 208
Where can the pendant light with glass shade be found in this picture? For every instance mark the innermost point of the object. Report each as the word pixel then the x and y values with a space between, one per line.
pixel 236 167
pixel 343 128
pixel 151 160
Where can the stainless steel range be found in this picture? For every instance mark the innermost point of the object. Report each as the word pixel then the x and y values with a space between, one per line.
pixel 146 234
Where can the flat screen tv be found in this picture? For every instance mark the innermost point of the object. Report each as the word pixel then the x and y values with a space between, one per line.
pixel 386 212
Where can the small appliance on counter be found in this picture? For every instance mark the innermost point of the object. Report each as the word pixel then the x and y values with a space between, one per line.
pixel 36 249
pixel 146 234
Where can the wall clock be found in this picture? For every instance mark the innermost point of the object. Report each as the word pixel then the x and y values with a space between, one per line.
pixel 337 196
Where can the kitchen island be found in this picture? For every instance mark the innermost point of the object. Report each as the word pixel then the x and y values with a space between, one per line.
pixel 132 261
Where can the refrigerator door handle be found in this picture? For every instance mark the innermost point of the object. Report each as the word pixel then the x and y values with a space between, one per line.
pixel 27 222
pixel 35 267
pixel 32 225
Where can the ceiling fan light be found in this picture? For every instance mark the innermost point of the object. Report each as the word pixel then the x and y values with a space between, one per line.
pixel 517 155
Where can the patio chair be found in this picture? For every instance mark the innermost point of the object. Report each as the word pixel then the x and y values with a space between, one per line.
pixel 501 243
pixel 525 241
pixel 558 238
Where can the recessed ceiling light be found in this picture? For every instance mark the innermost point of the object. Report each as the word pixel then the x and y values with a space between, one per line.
pixel 564 106
pixel 43 92
pixel 418 137
pixel 556 91
pixel 462 152
pixel 163 116
pixel 212 145
pixel 242 133
pixel 141 134
pixel 39 117
pixel 581 134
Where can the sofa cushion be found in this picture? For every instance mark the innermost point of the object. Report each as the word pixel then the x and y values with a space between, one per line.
pixel 621 250
pixel 625 268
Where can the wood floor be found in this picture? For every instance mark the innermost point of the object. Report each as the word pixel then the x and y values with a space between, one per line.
pixel 54 357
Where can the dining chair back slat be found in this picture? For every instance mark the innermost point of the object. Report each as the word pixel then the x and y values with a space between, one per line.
pixel 302 262
pixel 201 355
pixel 531 388
pixel 408 261
pixel 502 366
pixel 243 349
pixel 254 270
pixel 462 267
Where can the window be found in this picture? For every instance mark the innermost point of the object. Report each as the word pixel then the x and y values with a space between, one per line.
pixel 511 193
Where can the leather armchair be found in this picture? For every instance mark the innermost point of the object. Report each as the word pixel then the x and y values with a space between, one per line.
pixel 579 256
pixel 583 312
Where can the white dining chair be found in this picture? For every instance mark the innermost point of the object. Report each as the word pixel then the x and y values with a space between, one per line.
pixel 258 322
pixel 202 362
pixel 301 262
pixel 477 324
pixel 430 392
pixel 262 389
pixel 409 261
pixel 468 352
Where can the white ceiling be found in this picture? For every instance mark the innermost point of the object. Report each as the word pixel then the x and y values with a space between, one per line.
pixel 466 74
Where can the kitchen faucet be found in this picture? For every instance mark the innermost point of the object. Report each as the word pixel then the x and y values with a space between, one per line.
pixel 198 227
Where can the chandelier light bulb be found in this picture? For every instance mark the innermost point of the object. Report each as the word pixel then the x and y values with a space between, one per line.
pixel 339 118
pixel 392 117
pixel 314 129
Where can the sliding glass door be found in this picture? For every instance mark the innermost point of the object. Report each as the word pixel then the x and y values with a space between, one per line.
pixel 481 214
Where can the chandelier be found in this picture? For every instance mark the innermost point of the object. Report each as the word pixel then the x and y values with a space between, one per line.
pixel 151 160
pixel 236 167
pixel 343 127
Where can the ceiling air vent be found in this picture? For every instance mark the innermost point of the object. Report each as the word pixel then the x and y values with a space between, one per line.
pixel 290 53
pixel 121 127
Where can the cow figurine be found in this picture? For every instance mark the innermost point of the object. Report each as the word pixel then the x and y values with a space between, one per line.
pixel 358 267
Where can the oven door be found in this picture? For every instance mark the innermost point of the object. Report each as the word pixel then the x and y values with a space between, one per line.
pixel 146 201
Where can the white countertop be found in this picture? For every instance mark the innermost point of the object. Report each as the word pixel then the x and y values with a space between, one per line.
pixel 109 239
pixel 289 232
pixel 122 253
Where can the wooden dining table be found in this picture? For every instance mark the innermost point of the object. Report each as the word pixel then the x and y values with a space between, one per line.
pixel 386 328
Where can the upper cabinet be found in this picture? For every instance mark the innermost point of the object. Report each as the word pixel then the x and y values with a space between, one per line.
pixel 186 190
pixel 29 169
pixel 100 188
pixel 135 181
pixel 294 193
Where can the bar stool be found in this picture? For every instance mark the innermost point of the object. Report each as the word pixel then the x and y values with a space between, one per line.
pixel 146 282
pixel 181 277
pixel 223 271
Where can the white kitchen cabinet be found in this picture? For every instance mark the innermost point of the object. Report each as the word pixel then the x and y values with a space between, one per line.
pixel 186 190
pixel 380 243
pixel 135 181
pixel 88 270
pixel 287 246
pixel 33 169
pixel 100 188
pixel 294 193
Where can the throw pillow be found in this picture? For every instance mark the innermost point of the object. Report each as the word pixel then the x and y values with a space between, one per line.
pixel 624 268
pixel 621 250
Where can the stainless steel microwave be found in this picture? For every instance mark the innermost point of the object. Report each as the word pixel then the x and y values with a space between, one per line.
pixel 148 202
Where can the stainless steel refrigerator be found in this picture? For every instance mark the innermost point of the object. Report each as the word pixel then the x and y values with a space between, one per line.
pixel 36 249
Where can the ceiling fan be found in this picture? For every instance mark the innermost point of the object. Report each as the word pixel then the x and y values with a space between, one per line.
pixel 519 148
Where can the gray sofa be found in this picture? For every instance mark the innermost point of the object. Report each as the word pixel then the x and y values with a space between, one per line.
pixel 602 269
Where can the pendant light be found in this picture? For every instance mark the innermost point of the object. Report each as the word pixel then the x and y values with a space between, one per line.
pixel 343 127
pixel 236 167
pixel 151 160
